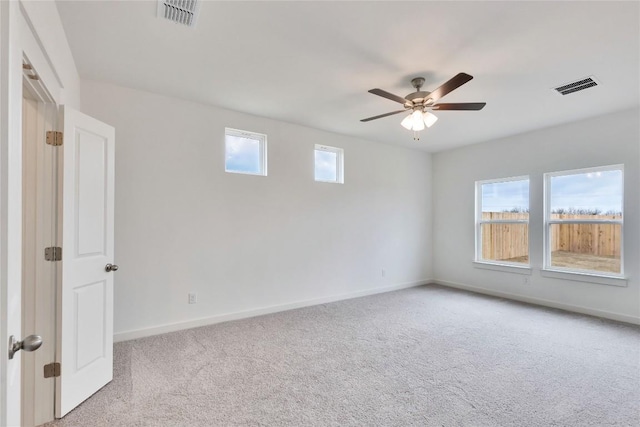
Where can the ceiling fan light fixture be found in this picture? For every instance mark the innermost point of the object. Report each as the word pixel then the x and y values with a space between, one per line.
pixel 418 121
pixel 429 118
pixel 407 122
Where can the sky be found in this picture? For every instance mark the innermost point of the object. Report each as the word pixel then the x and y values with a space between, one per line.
pixel 595 190
pixel 325 165
pixel 242 154
pixel 504 196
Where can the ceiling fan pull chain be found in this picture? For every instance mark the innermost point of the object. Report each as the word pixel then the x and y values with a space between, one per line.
pixel 416 136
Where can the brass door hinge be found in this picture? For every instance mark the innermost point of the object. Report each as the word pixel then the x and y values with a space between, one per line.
pixel 54 138
pixel 52 370
pixel 53 253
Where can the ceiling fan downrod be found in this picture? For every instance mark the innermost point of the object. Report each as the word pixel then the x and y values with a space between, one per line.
pixel 417 83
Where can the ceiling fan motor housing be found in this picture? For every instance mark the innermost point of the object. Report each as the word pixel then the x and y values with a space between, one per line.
pixel 418 97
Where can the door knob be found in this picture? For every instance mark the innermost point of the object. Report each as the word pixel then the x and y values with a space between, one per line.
pixel 30 343
pixel 110 267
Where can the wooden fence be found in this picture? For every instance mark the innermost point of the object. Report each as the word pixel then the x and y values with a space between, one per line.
pixel 504 241
pixel 508 241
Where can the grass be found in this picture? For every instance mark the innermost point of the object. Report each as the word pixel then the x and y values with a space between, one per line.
pixel 581 261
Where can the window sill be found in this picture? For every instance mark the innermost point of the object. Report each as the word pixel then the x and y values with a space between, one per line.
pixel 329 182
pixel 585 277
pixel 246 173
pixel 508 268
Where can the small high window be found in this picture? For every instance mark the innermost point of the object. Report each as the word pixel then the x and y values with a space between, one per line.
pixel 584 221
pixel 502 221
pixel 245 152
pixel 329 164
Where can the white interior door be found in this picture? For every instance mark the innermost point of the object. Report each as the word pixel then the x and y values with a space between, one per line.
pixel 85 299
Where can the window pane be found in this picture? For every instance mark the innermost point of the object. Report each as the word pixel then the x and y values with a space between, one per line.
pixel 592 193
pixel 505 242
pixel 586 246
pixel 510 196
pixel 243 155
pixel 326 165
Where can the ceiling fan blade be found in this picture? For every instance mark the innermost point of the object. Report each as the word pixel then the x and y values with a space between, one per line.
pixel 464 106
pixel 390 96
pixel 451 85
pixel 382 115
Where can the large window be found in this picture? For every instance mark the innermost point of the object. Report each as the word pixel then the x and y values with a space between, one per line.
pixel 583 220
pixel 245 152
pixel 329 164
pixel 502 221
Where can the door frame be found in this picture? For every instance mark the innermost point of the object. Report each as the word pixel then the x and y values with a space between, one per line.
pixel 18 40
pixel 41 164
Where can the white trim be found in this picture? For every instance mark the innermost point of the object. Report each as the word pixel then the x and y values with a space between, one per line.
pixel 479 221
pixel 587 276
pixel 339 163
pixel 546 227
pixel 39 281
pixel 506 267
pixel 245 173
pixel 205 321
pixel 503 221
pixel 32 30
pixel 5 137
pixel 586 170
pixel 576 274
pixel 508 179
pixel 262 140
pixel 543 302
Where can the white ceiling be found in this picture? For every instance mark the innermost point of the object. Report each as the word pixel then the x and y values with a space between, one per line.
pixel 311 63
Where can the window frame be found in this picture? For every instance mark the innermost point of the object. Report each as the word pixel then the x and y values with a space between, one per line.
pixel 548 222
pixel 479 221
pixel 339 163
pixel 260 137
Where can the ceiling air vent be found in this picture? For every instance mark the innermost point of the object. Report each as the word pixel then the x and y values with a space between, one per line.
pixel 179 11
pixel 576 86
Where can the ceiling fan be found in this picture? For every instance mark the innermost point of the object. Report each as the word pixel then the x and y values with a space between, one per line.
pixel 421 103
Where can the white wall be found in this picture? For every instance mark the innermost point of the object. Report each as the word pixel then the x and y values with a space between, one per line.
pixel 245 243
pixel 604 140
pixel 32 29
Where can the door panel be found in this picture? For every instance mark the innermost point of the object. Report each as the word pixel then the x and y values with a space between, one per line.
pixel 89 306
pixel 91 158
pixel 86 290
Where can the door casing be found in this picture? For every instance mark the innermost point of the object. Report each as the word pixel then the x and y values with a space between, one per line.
pixel 40 224
pixel 19 39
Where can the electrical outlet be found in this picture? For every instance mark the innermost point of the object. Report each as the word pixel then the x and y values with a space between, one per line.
pixel 526 280
pixel 193 298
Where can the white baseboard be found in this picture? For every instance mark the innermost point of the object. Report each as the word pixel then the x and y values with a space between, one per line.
pixel 547 303
pixel 204 321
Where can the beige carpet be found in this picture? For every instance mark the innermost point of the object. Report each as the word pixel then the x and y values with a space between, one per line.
pixel 427 356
